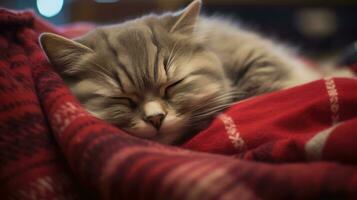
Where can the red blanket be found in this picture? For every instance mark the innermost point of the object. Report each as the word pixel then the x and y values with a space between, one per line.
pixel 299 143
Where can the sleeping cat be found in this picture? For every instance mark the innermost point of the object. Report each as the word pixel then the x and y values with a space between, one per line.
pixel 164 77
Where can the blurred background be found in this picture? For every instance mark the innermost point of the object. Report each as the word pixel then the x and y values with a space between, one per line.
pixel 320 27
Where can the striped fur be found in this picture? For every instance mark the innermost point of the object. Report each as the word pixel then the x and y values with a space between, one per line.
pixel 194 67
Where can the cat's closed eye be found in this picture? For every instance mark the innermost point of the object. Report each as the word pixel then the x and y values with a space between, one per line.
pixel 170 87
pixel 124 101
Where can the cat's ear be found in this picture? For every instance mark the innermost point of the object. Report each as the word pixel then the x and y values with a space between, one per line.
pixel 185 20
pixel 62 52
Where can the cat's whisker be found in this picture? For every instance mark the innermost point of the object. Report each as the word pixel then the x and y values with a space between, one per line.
pixel 219 107
pixel 208 112
pixel 207 115
pixel 212 102
pixel 172 55
pixel 202 110
pixel 216 99
pixel 175 54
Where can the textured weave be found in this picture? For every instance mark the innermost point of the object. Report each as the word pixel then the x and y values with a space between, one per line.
pixel 299 143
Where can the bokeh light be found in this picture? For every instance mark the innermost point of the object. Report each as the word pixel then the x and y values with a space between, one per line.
pixel 49 8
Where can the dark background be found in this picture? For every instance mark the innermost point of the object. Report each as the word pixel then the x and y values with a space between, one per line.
pixel 320 28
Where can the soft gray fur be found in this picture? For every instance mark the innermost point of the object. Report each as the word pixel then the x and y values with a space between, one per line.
pixel 164 77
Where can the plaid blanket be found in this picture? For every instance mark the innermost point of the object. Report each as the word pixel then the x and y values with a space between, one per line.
pixel 299 143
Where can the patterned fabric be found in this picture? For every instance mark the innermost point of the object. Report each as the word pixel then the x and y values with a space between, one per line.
pixel 299 143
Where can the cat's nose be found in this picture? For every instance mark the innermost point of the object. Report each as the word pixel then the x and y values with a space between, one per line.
pixel 156 120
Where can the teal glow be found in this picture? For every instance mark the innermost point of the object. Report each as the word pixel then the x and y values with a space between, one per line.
pixel 49 8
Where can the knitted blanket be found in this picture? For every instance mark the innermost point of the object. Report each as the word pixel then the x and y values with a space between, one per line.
pixel 299 143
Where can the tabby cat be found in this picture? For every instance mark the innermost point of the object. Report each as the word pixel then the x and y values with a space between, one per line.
pixel 164 77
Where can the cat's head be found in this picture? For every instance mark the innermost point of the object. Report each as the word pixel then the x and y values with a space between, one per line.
pixel 151 76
